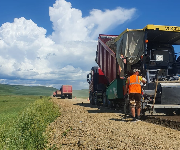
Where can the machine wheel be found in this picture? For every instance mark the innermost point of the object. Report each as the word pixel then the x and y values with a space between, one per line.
pixel 126 107
pixel 96 99
pixel 91 99
pixel 105 104
pixel 109 103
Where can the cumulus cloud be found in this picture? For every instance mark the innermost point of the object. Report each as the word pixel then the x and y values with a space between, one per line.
pixel 28 56
pixel 69 25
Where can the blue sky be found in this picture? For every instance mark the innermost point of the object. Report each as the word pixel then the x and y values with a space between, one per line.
pixel 147 12
pixel 53 42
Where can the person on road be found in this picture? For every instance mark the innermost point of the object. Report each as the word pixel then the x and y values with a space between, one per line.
pixel 134 86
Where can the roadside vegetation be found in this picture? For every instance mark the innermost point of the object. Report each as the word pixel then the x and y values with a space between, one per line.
pixel 25 113
pixel 12 105
pixel 26 131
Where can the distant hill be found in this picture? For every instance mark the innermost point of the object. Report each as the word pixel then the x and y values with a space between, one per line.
pixel 26 90
pixel 6 89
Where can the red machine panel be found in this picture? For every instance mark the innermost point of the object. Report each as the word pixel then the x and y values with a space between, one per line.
pixel 106 58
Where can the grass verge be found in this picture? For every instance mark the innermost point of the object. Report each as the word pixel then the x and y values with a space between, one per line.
pixel 27 130
pixel 12 105
pixel 84 93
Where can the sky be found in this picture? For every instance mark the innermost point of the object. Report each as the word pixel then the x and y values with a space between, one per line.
pixel 54 42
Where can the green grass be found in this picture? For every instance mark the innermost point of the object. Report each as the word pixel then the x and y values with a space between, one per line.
pixel 36 90
pixel 12 105
pixel 25 90
pixel 84 93
pixel 26 130
pixel 14 98
pixel 25 113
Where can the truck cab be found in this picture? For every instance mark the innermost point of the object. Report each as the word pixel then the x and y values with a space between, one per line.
pixel 97 85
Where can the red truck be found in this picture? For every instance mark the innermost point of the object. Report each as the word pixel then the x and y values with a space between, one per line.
pixel 54 94
pixel 66 91
pixel 57 93
pixel 97 85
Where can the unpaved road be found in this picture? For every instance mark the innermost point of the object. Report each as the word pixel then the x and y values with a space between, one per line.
pixel 83 126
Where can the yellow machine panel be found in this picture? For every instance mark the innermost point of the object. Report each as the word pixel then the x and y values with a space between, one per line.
pixel 162 28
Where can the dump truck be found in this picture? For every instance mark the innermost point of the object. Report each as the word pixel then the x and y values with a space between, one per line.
pixel 151 50
pixel 66 91
pixel 54 94
pixel 97 85
pixel 57 93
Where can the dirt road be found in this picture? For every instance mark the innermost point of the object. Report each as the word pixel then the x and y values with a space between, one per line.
pixel 83 126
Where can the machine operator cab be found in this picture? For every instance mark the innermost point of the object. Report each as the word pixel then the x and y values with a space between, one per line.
pixel 161 64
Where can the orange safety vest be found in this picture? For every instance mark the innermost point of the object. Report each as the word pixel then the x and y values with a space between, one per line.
pixel 134 84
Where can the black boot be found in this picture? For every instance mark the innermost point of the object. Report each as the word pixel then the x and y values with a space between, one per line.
pixel 138 117
pixel 134 119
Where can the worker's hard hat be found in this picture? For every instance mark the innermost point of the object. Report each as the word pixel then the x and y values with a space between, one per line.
pixel 136 70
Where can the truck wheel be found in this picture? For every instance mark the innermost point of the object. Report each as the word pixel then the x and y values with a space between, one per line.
pixel 70 97
pixel 105 104
pixel 91 99
pixel 96 100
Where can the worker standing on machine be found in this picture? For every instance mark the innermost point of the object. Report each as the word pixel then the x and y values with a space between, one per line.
pixel 134 86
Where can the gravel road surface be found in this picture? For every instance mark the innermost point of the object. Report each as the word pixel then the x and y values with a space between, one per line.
pixel 86 127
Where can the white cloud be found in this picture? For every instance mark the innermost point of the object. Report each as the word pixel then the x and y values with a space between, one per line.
pixel 104 21
pixel 67 55
pixel 69 25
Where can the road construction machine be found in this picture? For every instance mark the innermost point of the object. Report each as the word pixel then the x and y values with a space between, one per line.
pixel 151 50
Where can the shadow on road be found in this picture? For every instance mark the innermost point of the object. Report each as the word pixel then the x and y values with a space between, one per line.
pixel 98 109
pixel 123 118
pixel 86 105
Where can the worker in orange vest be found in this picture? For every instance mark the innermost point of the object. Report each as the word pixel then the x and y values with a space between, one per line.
pixel 134 86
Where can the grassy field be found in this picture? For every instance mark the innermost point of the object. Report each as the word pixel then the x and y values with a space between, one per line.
pixel 12 105
pixel 26 90
pixel 25 113
pixel 36 90
pixel 26 130
pixel 84 93
pixel 14 98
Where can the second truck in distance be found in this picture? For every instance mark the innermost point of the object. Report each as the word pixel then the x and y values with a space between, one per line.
pixel 64 92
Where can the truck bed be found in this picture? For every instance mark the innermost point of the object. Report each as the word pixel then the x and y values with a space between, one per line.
pixel 66 89
pixel 106 57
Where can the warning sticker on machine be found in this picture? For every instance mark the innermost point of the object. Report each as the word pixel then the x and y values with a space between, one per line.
pixel 159 57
